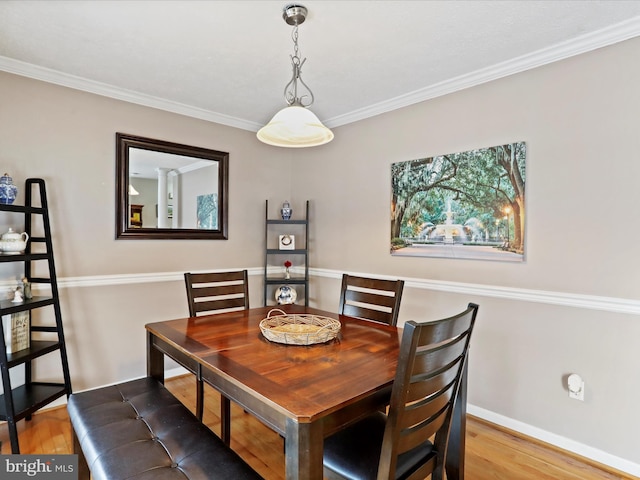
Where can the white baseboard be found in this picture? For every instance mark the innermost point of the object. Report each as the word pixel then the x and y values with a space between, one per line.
pixel 591 302
pixel 531 431
pixel 551 438
pixel 557 441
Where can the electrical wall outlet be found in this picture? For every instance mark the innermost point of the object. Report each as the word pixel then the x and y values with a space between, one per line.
pixel 575 383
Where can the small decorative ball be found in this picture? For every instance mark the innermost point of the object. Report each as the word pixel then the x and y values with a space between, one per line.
pixel 286 295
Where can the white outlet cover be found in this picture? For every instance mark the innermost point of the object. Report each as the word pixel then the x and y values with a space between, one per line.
pixel 575 383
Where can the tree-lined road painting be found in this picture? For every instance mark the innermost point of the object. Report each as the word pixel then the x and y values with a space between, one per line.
pixel 461 205
pixel 207 211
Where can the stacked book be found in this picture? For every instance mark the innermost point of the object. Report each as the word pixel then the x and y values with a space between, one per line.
pixel 16 331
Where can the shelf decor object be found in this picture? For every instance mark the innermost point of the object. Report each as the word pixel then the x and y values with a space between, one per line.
pixel 26 288
pixel 286 295
pixel 286 211
pixel 16 331
pixel 298 329
pixel 287 274
pixel 31 340
pixel 8 190
pixel 13 242
pixel 287 242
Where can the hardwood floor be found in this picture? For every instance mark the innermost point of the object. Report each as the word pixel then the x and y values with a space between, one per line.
pixel 492 453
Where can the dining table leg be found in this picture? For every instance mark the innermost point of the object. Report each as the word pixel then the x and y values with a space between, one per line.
pixel 303 450
pixel 454 463
pixel 155 360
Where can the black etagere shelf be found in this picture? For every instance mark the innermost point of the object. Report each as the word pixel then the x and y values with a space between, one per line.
pixel 274 256
pixel 20 402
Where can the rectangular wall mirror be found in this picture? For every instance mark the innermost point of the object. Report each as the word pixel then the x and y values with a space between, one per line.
pixel 167 190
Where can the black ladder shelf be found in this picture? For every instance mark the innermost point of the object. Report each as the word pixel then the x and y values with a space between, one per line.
pixel 17 403
pixel 274 255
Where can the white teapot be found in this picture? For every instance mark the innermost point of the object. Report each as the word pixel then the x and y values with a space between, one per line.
pixel 13 242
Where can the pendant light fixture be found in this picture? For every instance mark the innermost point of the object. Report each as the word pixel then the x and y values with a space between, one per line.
pixel 295 126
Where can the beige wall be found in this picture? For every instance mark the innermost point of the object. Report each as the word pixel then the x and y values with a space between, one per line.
pixel 556 313
pixel 579 118
pixel 111 288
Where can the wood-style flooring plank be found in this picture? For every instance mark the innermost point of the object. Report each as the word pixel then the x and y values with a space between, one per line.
pixel 496 453
pixel 493 453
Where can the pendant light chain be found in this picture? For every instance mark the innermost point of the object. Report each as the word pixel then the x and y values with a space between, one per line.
pixel 294 37
pixel 291 89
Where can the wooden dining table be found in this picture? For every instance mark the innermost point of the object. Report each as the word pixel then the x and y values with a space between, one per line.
pixel 305 393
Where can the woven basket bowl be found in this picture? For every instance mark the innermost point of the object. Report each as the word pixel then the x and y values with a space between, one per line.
pixel 298 329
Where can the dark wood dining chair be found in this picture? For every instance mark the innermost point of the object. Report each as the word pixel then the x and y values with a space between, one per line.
pixel 371 298
pixel 217 291
pixel 210 293
pixel 398 445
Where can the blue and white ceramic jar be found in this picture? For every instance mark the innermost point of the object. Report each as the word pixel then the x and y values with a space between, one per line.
pixel 286 211
pixel 8 190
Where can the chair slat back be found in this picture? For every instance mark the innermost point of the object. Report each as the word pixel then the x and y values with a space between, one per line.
pixel 217 291
pixel 432 360
pixel 371 298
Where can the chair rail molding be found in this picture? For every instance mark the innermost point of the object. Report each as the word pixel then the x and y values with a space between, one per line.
pixel 565 299
pixel 592 302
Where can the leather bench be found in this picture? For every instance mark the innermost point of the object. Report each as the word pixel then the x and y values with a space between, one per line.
pixel 139 430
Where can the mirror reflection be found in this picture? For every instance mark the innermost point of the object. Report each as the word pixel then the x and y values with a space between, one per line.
pixel 168 190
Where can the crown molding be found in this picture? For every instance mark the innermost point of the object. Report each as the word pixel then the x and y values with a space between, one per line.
pixel 585 43
pixel 78 83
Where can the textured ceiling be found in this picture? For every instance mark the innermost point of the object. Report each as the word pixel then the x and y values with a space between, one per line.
pixel 228 61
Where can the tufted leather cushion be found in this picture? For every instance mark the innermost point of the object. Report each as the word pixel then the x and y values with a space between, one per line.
pixel 138 430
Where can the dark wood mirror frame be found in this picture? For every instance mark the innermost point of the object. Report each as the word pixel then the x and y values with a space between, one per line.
pixel 124 230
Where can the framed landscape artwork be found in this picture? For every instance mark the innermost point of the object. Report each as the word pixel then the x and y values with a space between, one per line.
pixel 468 205
pixel 207 211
